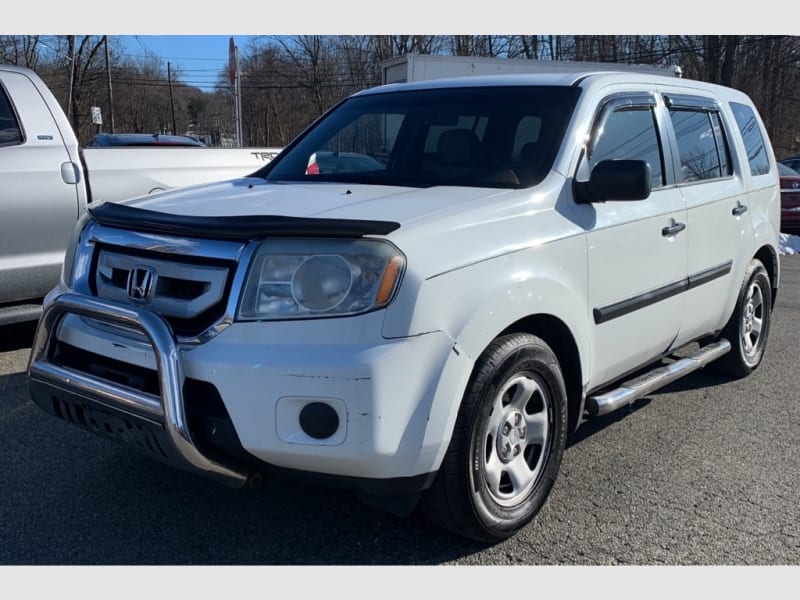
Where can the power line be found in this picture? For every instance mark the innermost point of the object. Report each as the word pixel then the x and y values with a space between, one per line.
pixel 142 44
pixel 260 80
pixel 152 54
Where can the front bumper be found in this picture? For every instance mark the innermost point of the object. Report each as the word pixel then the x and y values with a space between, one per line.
pixel 393 399
pixel 146 420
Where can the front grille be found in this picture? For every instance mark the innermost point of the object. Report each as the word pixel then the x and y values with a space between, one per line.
pixel 190 293
pixel 109 369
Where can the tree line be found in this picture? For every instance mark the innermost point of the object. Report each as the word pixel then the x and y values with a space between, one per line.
pixel 288 81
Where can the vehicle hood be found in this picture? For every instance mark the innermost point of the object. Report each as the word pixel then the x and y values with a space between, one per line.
pixel 472 223
pixel 255 197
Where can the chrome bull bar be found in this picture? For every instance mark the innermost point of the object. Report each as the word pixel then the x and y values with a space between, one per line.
pixel 168 409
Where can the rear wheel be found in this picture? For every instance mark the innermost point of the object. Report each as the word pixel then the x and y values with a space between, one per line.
pixel 507 445
pixel 748 328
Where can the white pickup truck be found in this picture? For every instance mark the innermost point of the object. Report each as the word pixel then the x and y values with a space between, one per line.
pixel 47 180
pixel 428 291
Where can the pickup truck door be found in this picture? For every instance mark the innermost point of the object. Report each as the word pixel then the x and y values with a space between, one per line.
pixel 719 230
pixel 39 195
pixel 637 249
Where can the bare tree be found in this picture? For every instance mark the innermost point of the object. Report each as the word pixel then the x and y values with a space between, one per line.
pixel 390 46
pixel 287 82
pixel 23 50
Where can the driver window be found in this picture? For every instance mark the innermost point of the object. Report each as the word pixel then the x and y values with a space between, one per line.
pixel 629 133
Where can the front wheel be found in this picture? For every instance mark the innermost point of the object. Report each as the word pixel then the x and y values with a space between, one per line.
pixel 507 444
pixel 748 328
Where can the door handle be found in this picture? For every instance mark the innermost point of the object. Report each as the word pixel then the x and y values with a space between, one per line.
pixel 739 209
pixel 673 228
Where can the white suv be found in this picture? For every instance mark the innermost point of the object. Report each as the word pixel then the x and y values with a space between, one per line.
pixel 528 251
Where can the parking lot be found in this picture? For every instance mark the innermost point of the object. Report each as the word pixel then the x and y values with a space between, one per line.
pixel 704 472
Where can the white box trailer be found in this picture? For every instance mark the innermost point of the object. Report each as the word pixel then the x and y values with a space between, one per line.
pixel 418 67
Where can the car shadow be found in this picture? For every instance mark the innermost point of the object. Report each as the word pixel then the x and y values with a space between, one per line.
pixel 593 425
pixel 17 336
pixel 13 390
pixel 703 378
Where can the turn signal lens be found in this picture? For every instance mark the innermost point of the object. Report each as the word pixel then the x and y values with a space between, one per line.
pixel 389 280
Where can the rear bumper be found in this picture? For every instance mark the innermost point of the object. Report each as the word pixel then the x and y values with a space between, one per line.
pixel 790 221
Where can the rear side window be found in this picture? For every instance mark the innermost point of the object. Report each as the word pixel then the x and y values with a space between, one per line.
pixel 702 145
pixel 753 140
pixel 10 133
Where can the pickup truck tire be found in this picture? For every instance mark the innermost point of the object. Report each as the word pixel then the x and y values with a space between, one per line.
pixel 507 444
pixel 748 328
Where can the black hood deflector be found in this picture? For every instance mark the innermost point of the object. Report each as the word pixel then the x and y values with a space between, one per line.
pixel 234 227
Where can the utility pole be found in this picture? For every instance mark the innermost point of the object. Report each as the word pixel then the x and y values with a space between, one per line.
pixel 239 135
pixel 110 97
pixel 171 100
pixel 71 76
pixel 236 82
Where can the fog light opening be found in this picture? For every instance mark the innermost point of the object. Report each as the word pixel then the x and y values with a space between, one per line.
pixel 319 420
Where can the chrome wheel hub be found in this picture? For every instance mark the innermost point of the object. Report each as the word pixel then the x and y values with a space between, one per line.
pixel 516 439
pixel 511 436
pixel 748 318
pixel 752 319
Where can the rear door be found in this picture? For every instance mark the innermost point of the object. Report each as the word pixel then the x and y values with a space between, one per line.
pixel 710 178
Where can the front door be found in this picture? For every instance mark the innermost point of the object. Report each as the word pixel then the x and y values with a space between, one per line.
pixel 637 250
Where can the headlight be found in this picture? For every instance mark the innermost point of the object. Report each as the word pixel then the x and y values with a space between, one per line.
pixel 309 278
pixel 68 266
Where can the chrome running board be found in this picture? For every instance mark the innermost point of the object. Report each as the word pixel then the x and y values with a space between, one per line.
pixel 633 389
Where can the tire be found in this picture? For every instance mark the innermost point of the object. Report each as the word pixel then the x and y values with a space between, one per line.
pixel 507 444
pixel 748 328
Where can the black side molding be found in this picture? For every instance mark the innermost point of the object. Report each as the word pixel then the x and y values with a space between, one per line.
pixel 711 274
pixel 629 305
pixel 624 307
pixel 234 228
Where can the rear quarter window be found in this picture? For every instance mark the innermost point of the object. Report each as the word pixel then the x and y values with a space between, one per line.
pixel 752 138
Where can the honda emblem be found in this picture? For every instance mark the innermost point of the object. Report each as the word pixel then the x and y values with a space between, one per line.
pixel 141 283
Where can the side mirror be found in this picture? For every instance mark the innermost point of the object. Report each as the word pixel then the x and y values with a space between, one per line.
pixel 615 180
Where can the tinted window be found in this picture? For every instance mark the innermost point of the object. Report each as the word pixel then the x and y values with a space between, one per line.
pixel 751 135
pixel 474 136
pixel 527 134
pixel 475 123
pixel 792 164
pixel 722 144
pixel 102 140
pixel 10 132
pixel 630 133
pixel 702 146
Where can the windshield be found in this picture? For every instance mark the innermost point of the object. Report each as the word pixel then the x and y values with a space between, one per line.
pixel 475 136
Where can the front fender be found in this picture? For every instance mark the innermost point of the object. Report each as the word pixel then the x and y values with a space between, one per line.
pixel 476 303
